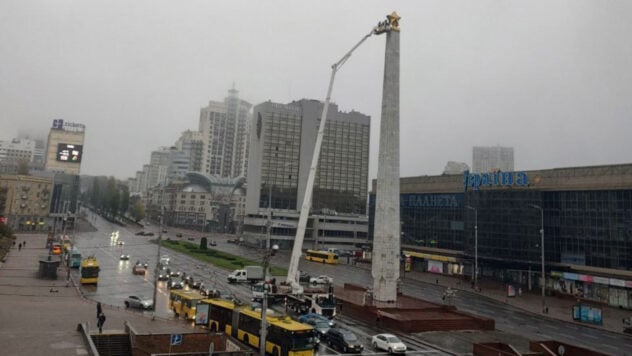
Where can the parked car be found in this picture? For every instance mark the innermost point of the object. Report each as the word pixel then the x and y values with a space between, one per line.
pixel 213 243
pixel 179 234
pixel 307 318
pixel 388 342
pixel 139 301
pixel 140 233
pixel 164 231
pixel 321 280
pixel 149 234
pixel 343 340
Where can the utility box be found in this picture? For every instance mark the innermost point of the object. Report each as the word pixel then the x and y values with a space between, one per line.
pixel 48 267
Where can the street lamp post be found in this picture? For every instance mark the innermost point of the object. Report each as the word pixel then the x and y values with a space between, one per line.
pixel 269 227
pixel 542 251
pixel 264 303
pixel 475 245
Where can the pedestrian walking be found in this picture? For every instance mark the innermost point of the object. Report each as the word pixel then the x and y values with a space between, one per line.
pixel 24 244
pixel 99 310
pixel 101 322
pixel 20 246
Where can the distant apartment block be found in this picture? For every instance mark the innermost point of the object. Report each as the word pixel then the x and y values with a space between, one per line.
pixel 495 158
pixel 224 129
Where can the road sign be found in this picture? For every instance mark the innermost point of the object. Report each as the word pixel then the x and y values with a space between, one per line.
pixel 176 339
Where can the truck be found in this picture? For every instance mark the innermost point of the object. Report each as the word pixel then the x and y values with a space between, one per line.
pixel 251 274
pixel 317 299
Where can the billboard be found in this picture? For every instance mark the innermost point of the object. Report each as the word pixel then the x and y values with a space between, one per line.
pixel 67 152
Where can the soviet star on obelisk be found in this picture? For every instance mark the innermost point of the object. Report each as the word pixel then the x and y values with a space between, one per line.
pixel 386 236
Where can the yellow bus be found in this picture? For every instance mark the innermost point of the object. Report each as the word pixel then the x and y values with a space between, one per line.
pixel 89 270
pixel 321 256
pixel 286 337
pixel 183 302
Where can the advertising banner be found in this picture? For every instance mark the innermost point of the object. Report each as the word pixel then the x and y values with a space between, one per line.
pixel 201 314
pixel 435 266
pixel 587 314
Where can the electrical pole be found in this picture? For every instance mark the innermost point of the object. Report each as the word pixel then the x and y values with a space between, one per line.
pixel 264 303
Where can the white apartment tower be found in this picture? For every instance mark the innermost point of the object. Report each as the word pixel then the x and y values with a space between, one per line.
pixel 224 129
pixel 490 159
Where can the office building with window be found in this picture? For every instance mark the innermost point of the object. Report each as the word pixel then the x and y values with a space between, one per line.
pixel 281 149
pixel 586 216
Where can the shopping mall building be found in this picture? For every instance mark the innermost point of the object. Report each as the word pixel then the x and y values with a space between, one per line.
pixel 585 212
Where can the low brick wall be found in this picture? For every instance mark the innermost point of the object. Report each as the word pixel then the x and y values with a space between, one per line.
pixel 408 314
pixel 145 345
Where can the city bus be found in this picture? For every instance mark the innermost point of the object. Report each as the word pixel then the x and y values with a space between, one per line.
pixel 285 336
pixel 321 256
pixel 89 270
pixel 183 302
pixel 74 258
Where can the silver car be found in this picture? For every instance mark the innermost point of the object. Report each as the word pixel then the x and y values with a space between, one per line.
pixel 140 302
pixel 388 342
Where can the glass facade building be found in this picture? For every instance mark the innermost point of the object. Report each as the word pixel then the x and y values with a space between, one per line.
pixel 586 215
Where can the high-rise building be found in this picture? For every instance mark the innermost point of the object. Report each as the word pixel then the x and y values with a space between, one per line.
pixel 224 128
pixel 490 159
pixel 192 144
pixel 281 149
pixel 65 147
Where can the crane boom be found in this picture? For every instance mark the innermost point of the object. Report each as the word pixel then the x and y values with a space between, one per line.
pixel 309 188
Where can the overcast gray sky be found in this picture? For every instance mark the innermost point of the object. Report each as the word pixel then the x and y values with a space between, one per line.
pixel 553 79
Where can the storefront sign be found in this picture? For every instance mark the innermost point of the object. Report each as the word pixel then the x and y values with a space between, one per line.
pixel 585 278
pixel 494 179
pixel 617 282
pixel 601 280
pixel 431 200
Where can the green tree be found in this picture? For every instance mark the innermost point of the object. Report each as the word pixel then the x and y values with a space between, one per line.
pixel 203 243
pixel 112 197
pixel 124 199
pixel 138 211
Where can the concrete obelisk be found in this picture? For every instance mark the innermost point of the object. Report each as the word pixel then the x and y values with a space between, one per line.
pixel 386 236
